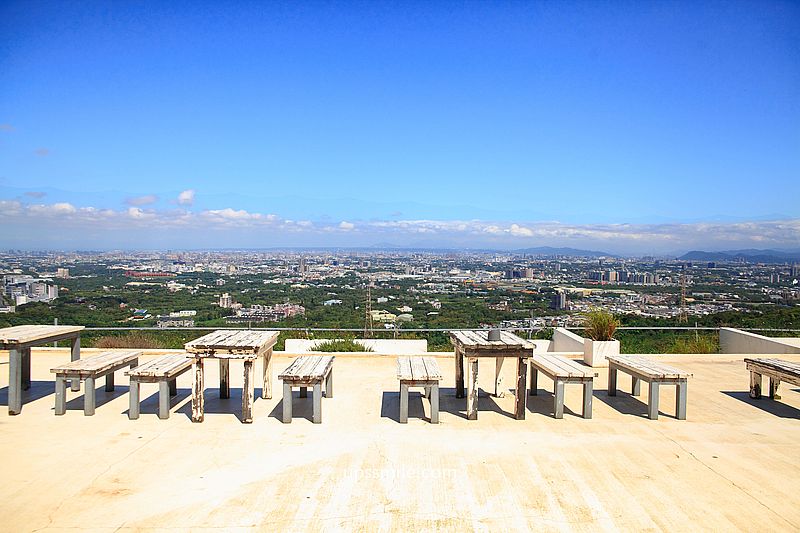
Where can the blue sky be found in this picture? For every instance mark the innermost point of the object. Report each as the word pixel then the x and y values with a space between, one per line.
pixel 632 127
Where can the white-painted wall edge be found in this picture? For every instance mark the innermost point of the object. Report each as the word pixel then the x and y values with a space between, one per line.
pixel 743 342
pixel 566 341
pixel 379 346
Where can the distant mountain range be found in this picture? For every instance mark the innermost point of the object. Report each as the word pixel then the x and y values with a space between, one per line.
pixel 572 252
pixel 750 256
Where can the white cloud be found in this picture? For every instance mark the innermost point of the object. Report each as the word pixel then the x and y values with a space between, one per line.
pixel 186 197
pixel 633 238
pixel 142 200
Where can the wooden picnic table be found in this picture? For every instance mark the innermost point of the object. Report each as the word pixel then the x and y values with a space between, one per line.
pixel 19 340
pixel 224 345
pixel 474 345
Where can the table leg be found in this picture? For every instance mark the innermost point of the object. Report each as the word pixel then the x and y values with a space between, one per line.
pixel 266 388
pixel 403 403
pixel 498 377
pixel 652 401
pixel 287 402
pixel 636 386
pixel 61 395
pixel 329 385
pixel 680 400
pixel 587 399
pixel 26 368
pixel 435 403
pixel 197 390
pixel 163 400
pixel 316 412
pixel 521 393
pixel 89 397
pixel 472 388
pixel 247 392
pixel 612 381
pixel 755 385
pixel 534 381
pixel 14 382
pixel 75 354
pixel 133 406
pixel 224 378
pixel 459 359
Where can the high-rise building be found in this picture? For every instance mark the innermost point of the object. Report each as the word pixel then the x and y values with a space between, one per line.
pixel 225 301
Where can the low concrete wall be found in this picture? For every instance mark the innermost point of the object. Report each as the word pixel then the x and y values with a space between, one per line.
pixel 379 346
pixel 566 341
pixel 738 341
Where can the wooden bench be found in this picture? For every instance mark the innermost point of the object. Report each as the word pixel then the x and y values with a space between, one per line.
pixel 88 370
pixel 563 370
pixel 304 372
pixel 419 372
pixel 162 370
pixel 776 370
pixel 654 373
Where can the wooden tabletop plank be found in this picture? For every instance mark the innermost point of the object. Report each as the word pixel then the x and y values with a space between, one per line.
pixel 33 333
pixel 404 368
pixel 418 369
pixel 648 367
pixel 97 363
pixel 166 365
pixel 232 341
pixel 432 368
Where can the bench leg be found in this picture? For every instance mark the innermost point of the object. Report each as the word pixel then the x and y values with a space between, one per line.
pixel 588 389
pixel 652 401
pixel 498 377
pixel 266 387
pixel 426 392
pixel 680 400
pixel 329 385
pixel 316 415
pixel 520 396
pixel 755 385
pixel 224 378
pixel 534 381
pixel 403 403
pixel 434 403
pixel 773 387
pixel 75 354
pixel 88 397
pixel 26 368
pixel 248 392
pixel 459 373
pixel 612 381
pixel 14 382
pixel 304 392
pixel 197 390
pixel 173 387
pixel 636 386
pixel 133 406
pixel 287 402
pixel 472 388
pixel 110 382
pixel 558 399
pixel 163 400
pixel 61 395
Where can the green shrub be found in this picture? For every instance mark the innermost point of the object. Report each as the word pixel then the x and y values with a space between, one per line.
pixel 600 325
pixel 696 344
pixel 341 345
pixel 129 340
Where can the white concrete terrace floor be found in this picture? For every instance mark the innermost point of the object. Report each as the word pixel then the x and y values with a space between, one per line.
pixel 733 465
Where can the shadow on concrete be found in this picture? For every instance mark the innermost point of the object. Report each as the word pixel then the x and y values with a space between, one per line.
pixel 214 405
pixel 301 407
pixel 38 390
pixel 101 397
pixel 626 403
pixel 149 405
pixel 773 407
pixel 544 403
pixel 390 405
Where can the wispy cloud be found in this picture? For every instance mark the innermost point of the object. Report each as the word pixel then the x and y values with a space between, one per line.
pixel 186 197
pixel 36 194
pixel 6 127
pixel 42 152
pixel 142 200
pixel 265 227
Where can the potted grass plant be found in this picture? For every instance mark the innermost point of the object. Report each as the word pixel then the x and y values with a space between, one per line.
pixel 599 343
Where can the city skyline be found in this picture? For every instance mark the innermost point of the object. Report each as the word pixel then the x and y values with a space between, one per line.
pixel 633 129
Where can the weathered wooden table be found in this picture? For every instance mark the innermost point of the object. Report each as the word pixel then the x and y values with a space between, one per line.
pixel 19 340
pixel 474 345
pixel 224 345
